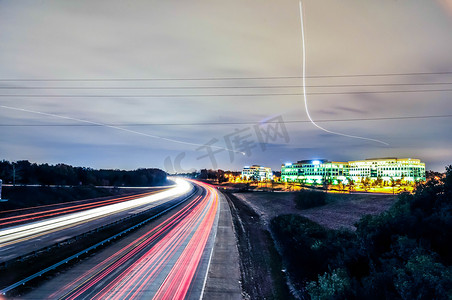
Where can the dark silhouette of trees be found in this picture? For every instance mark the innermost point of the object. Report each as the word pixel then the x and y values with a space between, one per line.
pixel 62 174
pixel 306 199
pixel 216 175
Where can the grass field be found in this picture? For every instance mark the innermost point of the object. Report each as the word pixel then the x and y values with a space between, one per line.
pixel 341 210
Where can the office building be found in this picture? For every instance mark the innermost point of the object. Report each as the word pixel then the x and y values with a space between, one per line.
pixel 257 173
pixel 387 169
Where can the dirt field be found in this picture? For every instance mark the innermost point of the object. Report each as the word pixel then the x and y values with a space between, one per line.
pixel 341 211
pixel 260 263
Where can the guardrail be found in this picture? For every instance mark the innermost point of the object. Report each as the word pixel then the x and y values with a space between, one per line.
pixel 76 237
pixel 84 251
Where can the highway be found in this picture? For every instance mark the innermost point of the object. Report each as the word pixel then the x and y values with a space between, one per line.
pixel 25 238
pixel 15 217
pixel 165 259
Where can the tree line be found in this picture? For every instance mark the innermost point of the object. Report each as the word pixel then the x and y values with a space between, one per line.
pixel 24 172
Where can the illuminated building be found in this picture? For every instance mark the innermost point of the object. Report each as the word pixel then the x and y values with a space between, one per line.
pixel 408 169
pixel 314 171
pixel 257 173
pixel 386 169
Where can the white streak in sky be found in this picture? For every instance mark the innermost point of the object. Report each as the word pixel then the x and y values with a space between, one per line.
pixel 304 90
pixel 116 127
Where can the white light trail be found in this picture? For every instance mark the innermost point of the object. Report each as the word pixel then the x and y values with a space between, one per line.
pixel 23 232
pixel 304 90
pixel 116 127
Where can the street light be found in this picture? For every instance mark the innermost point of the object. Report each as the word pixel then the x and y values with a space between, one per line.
pixel 14 174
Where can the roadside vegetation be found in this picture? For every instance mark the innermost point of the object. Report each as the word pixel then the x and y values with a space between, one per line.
pixel 403 253
pixel 24 172
pixel 307 199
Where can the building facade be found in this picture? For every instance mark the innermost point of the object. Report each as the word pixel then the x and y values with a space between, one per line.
pixel 321 171
pixel 256 172
pixel 314 171
pixel 408 169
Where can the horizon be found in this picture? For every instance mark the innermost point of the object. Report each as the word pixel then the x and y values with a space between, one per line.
pixel 223 169
pixel 184 86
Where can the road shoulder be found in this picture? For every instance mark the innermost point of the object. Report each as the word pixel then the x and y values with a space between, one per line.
pixel 223 279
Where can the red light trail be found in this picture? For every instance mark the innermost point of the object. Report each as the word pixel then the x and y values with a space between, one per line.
pixel 162 263
pixel 34 230
pixel 46 213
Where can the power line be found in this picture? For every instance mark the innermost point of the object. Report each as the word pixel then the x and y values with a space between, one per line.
pixel 227 95
pixel 230 123
pixel 223 87
pixel 230 78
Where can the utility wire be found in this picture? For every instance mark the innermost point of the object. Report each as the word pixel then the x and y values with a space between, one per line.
pixel 220 87
pixel 226 95
pixel 231 78
pixel 229 123
pixel 117 128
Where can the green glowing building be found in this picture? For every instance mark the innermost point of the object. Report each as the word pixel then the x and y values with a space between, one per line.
pixel 318 171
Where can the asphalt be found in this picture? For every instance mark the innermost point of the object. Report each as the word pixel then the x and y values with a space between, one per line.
pixel 52 288
pixel 40 242
pixel 223 275
pixel 223 279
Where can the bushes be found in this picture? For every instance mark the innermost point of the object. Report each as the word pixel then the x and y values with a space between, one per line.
pixel 404 253
pixel 307 199
pixel 330 285
pixel 308 247
pixel 423 278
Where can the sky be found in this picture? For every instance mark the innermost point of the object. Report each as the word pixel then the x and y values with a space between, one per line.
pixel 185 85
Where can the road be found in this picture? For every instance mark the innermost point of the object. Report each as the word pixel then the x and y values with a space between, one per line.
pixel 167 258
pixel 20 216
pixel 25 238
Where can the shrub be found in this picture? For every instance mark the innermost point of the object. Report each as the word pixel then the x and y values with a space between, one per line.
pixel 307 199
pixel 330 285
pixel 423 278
pixel 308 247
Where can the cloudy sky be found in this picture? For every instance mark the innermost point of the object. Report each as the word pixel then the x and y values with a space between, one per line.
pixel 184 85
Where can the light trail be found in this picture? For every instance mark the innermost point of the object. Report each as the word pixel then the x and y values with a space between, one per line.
pixel 177 283
pixel 102 270
pixel 162 263
pixel 34 216
pixel 25 232
pixel 117 128
pixel 304 90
